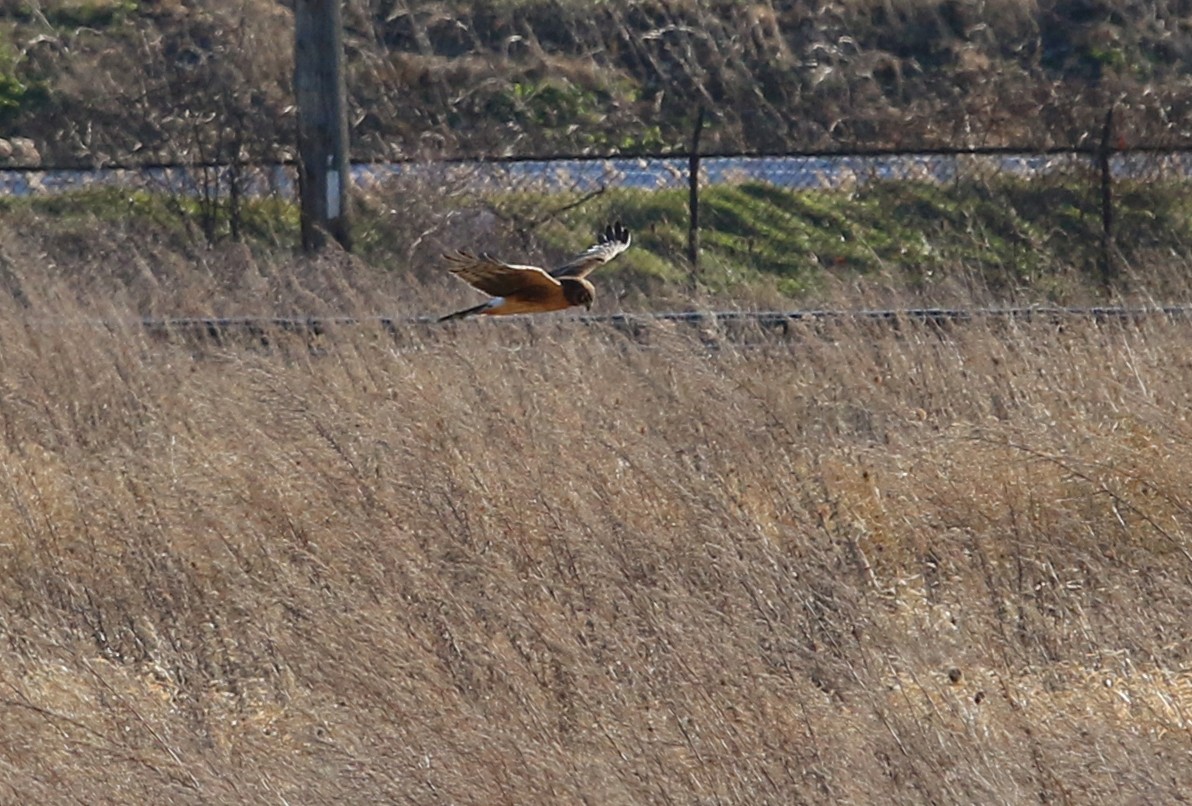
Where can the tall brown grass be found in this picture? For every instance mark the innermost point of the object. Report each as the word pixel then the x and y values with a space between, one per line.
pixel 547 562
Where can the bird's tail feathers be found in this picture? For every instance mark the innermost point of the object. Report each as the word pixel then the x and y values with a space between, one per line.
pixel 465 312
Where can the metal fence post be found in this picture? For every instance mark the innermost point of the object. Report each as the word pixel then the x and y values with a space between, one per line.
pixel 1107 263
pixel 693 197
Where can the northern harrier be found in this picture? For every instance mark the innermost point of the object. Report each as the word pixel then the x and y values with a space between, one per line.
pixel 529 289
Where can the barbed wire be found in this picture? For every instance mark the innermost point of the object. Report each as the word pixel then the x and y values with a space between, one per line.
pixel 260 329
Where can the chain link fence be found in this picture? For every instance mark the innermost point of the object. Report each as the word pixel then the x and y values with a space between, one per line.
pixel 1004 219
pixel 1007 219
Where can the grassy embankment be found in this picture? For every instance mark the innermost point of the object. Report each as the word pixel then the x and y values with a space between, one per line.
pixel 542 562
pixel 1001 240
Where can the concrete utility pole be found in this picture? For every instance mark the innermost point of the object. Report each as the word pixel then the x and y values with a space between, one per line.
pixel 322 122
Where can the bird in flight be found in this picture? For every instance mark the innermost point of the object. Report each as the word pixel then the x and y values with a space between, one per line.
pixel 529 289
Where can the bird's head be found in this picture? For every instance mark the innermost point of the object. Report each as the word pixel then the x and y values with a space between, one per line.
pixel 578 292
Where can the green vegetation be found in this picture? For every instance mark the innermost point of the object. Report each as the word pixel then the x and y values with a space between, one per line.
pixel 88 13
pixel 12 96
pixel 19 96
pixel 267 223
pixel 1034 240
pixel 1010 238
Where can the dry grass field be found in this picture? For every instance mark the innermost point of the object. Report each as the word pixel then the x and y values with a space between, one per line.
pixel 544 562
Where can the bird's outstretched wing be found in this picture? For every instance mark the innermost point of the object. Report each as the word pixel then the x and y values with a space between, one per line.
pixel 612 242
pixel 498 278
